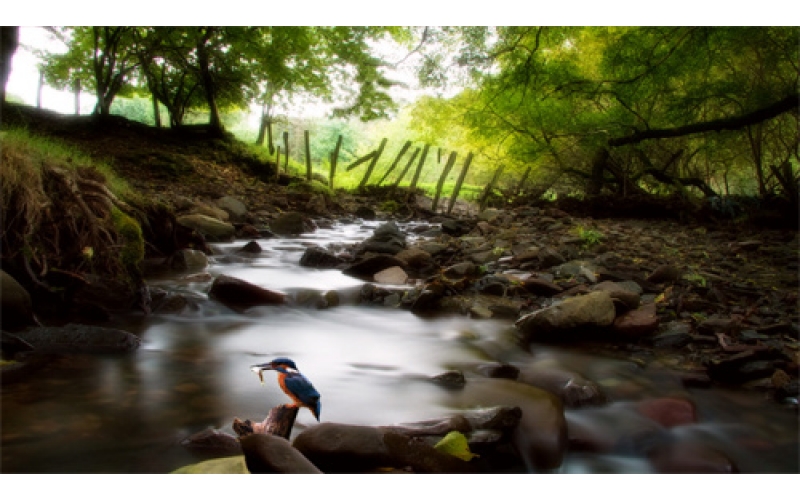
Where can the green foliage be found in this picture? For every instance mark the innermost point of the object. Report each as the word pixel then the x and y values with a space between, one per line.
pixel 132 251
pixel 590 237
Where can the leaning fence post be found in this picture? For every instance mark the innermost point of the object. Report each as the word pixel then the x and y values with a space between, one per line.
pixel 308 155
pixel 406 168
pixel 522 181
pixel 278 164
pixel 286 147
pixel 372 164
pixel 449 165
pixel 489 187
pixel 419 167
pixel 395 162
pixel 334 159
pixel 460 181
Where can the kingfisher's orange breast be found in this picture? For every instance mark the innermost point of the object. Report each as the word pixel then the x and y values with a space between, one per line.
pixel 282 383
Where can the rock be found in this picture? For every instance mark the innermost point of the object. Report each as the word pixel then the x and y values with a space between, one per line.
pixel 499 370
pixel 265 453
pixel 665 273
pixel 16 307
pixel 74 338
pixel 613 428
pixel 739 368
pixel 673 334
pixel 240 295
pixel 187 260
pixel 452 379
pixel 212 442
pixel 541 287
pixel 229 465
pixel 391 276
pixel 291 224
pixel 573 390
pixel 365 212
pixel 212 229
pixel 418 261
pixel 620 292
pixel 456 228
pixel 320 258
pixel 368 267
pixel 490 215
pixel 634 324
pixel 387 238
pixel 549 257
pixel 569 318
pixel 690 458
pixel 343 448
pixel 461 270
pixel 252 248
pixel 669 412
pixel 234 207
pixel 316 205
pixel 479 311
pixel 716 324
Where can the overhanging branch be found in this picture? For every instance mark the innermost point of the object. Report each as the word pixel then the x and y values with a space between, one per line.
pixel 785 105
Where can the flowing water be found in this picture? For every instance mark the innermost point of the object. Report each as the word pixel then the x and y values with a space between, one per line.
pixel 129 413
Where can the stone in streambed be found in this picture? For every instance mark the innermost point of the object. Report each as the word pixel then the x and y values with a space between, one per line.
pixel 568 319
pixel 17 307
pixel 80 338
pixel 228 465
pixel 573 390
pixel 690 458
pixel 367 267
pixel 240 295
pixel 320 258
pixel 391 276
pixel 669 412
pixel 212 229
pixel 635 324
pixel 629 298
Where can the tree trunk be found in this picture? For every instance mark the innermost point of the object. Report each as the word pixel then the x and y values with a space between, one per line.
pixel 76 91
pixel 308 154
pixel 334 160
pixel 598 166
pixel 156 113
pixel 9 40
pixel 210 89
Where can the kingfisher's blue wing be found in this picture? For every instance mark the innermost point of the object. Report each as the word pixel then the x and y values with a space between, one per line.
pixel 304 392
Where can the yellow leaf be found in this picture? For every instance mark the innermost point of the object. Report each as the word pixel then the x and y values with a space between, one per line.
pixel 455 443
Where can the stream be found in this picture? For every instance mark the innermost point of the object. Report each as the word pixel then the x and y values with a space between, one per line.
pixel 372 365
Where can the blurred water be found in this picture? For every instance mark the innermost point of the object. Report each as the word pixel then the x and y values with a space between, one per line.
pixel 128 414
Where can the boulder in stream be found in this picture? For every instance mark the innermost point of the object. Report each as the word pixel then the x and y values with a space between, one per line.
pixel 575 316
pixel 74 338
pixel 240 295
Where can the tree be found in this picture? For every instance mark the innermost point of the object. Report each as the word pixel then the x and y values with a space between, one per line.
pixel 9 39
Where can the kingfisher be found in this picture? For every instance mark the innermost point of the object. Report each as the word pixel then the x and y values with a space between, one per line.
pixel 293 383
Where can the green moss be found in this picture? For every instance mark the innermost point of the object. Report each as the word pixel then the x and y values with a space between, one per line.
pixel 228 465
pixel 132 251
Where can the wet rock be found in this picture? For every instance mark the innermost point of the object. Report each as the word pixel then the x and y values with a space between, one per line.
pixel 461 270
pixel 569 318
pixel 669 412
pixel 573 390
pixel 391 276
pixel 621 292
pixel 212 229
pixel 499 370
pixel 291 224
pixel 616 427
pixel 454 227
pixel 334 447
pixel 244 231
pixel 369 266
pixel 540 438
pixel 716 324
pixel 187 260
pixel 490 215
pixel 234 207
pixel 74 338
pixel 665 273
pixel 17 307
pixel 240 295
pixel 739 368
pixel 252 248
pixel 265 453
pixel 320 258
pixel 418 262
pixel 387 239
pixel 452 379
pixel 428 299
pixel 421 457
pixel 684 457
pixel 212 442
pixel 673 334
pixel 479 311
pixel 549 257
pixel 634 324
pixel 492 285
pixel 541 287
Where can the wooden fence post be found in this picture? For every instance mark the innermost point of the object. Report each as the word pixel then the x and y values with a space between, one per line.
pixel 278 164
pixel 286 147
pixel 361 160
pixel 334 159
pixel 395 162
pixel 419 167
pixel 459 182
pixel 489 187
pixel 450 162
pixel 407 167
pixel 522 181
pixel 308 155
pixel 372 164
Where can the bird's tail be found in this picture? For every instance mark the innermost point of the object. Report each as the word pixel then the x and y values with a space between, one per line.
pixel 316 410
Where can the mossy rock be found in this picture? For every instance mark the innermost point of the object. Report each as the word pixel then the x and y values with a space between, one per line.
pixel 132 251
pixel 227 465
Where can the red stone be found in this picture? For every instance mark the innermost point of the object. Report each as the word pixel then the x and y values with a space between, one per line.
pixel 669 412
